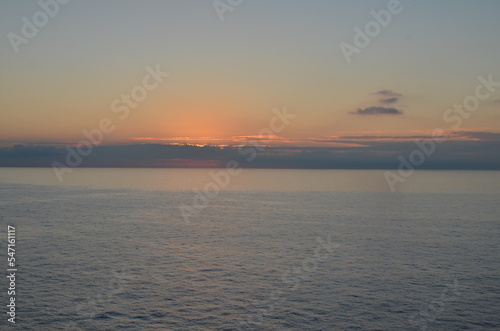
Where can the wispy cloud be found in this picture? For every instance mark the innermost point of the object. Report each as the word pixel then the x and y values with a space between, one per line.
pixel 389 100
pixel 378 111
pixel 388 96
pixel 388 93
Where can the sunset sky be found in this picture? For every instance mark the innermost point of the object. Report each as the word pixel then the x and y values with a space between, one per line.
pixel 225 77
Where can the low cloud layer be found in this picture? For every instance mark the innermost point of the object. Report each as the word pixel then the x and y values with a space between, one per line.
pixel 463 150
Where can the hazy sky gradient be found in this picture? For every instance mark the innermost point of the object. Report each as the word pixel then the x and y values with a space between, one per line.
pixel 227 76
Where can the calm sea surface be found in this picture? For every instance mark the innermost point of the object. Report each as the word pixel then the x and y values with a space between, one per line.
pixel 193 249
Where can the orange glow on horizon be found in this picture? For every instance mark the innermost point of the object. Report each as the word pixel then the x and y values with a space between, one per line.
pixel 355 140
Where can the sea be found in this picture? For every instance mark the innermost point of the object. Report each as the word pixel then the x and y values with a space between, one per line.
pixel 214 249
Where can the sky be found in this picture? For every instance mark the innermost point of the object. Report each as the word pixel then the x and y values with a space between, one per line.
pixel 212 73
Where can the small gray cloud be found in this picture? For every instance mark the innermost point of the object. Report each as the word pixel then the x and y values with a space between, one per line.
pixel 388 93
pixel 378 111
pixel 388 96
